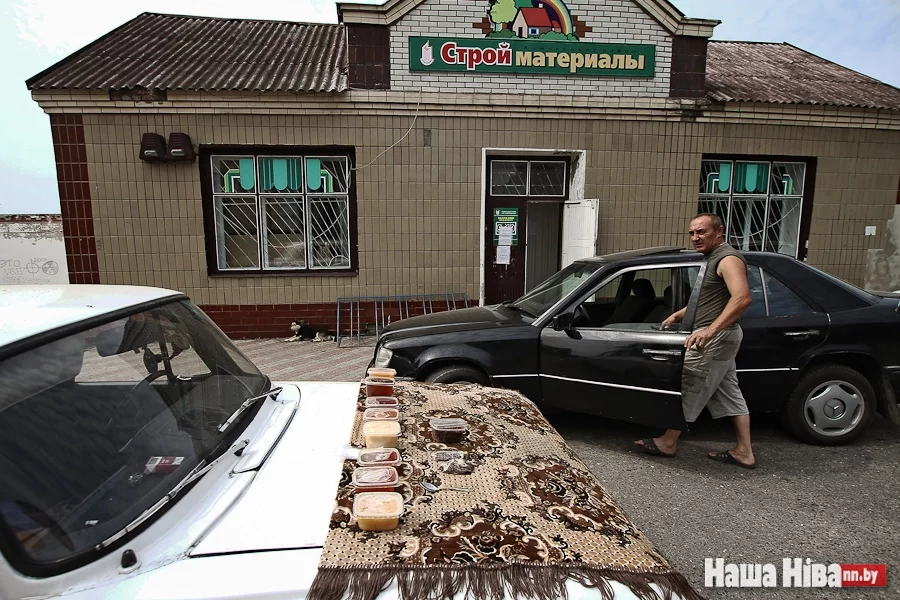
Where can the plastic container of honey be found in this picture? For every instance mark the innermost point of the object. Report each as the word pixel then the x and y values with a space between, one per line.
pixel 377 511
pixel 375 479
pixel 381 434
pixel 382 372
pixel 449 430
pixel 382 402
pixel 379 386
pixel 378 457
pixel 381 414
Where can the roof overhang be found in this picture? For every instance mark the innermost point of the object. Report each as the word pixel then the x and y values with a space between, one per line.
pixel 388 13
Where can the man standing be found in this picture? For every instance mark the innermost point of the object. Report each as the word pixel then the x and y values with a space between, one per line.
pixel 709 377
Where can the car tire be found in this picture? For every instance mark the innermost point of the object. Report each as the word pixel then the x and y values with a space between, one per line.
pixel 457 374
pixel 831 405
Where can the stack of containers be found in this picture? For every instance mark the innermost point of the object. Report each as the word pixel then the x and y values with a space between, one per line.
pixel 377 506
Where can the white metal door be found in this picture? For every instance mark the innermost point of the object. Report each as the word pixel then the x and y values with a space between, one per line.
pixel 579 230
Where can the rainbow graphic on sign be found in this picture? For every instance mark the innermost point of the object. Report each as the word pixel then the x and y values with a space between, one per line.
pixel 546 20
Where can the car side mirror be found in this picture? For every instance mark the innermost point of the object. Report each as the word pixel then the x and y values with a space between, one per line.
pixel 562 322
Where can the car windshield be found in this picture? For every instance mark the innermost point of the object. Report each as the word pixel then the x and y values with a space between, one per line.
pixel 557 287
pixel 97 427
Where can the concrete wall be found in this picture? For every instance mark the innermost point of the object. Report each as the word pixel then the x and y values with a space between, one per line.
pixel 612 21
pixel 32 250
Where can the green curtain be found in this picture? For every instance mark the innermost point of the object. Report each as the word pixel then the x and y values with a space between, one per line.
pixel 280 174
pixel 751 178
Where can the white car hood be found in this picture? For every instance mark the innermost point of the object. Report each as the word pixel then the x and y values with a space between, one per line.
pixel 289 503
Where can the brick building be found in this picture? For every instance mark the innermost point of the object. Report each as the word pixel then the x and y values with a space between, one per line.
pixel 428 146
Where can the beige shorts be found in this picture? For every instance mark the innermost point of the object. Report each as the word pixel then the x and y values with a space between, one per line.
pixel 709 378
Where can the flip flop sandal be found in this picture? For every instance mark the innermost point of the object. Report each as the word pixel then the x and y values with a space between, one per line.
pixel 728 458
pixel 650 447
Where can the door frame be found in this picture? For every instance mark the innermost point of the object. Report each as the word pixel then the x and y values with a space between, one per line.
pixel 577 171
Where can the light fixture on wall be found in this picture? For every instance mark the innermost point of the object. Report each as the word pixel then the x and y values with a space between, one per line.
pixel 180 147
pixel 153 147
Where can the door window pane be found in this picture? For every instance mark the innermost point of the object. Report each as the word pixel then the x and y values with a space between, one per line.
pixel 508 178
pixel 746 223
pixel 782 301
pixel 548 179
pixel 637 299
pixel 783 231
pixel 757 294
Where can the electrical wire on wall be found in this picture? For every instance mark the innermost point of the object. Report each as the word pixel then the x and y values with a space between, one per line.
pixel 403 137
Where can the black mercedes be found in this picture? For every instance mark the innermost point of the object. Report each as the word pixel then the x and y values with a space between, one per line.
pixel 822 353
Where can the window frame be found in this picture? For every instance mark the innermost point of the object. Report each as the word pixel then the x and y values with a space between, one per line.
pixel 528 162
pixel 806 199
pixel 257 152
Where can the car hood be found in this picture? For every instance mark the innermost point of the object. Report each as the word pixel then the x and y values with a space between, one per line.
pixel 289 503
pixel 465 319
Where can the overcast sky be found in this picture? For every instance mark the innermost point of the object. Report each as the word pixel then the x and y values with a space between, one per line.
pixel 863 35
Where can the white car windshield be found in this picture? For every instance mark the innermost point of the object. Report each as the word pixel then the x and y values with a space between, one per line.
pixel 540 299
pixel 98 426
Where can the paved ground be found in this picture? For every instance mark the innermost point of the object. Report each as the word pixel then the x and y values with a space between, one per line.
pixel 307 361
pixel 827 504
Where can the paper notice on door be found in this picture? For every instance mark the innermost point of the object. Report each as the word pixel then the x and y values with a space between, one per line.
pixel 502 255
pixel 505 240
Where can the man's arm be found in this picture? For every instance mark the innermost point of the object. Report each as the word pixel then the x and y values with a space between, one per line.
pixel 734 272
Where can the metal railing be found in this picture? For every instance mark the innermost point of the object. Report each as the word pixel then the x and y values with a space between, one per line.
pixel 352 311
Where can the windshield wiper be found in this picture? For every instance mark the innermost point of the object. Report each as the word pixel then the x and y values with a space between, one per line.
pixel 247 404
pixel 517 308
pixel 196 473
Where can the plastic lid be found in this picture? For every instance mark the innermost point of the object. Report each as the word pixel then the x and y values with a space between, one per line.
pixel 381 427
pixel 375 476
pixel 379 455
pixel 377 505
pixel 390 401
pixel 381 414
pixel 448 423
pixel 379 381
pixel 382 372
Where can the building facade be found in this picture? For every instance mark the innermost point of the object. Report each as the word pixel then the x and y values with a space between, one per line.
pixel 430 146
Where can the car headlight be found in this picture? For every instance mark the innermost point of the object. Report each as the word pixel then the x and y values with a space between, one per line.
pixel 383 357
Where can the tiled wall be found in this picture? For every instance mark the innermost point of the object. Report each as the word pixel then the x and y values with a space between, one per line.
pixel 419 206
pixel 611 21
pixel 75 198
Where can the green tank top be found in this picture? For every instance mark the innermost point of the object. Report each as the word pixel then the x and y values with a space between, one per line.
pixel 714 294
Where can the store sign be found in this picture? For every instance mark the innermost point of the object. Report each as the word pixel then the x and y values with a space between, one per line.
pixel 506 226
pixel 528 56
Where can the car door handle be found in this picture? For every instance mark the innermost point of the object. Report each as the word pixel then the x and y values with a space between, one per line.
pixel 801 334
pixel 661 354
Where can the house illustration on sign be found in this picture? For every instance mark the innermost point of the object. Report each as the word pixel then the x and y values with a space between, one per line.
pixel 547 20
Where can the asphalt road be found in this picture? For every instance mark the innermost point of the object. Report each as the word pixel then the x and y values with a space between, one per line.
pixel 829 504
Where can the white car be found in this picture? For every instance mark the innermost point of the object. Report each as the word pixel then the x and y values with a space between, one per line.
pixel 143 456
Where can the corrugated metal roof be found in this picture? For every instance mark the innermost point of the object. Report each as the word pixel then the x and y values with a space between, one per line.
pixel 785 74
pixel 174 52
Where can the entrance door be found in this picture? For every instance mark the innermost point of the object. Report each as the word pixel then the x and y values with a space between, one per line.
pixel 614 360
pixel 514 184
pixel 579 230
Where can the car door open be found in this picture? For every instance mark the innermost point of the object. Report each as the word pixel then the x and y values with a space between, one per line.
pixel 606 353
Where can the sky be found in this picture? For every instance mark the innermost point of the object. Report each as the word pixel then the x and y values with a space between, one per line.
pixel 863 35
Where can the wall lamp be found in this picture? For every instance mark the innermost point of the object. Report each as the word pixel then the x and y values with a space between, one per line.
pixel 154 149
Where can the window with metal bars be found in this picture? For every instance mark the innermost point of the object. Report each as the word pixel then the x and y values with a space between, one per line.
pixel 759 201
pixel 280 212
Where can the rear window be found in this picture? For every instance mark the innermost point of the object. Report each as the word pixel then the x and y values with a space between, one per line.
pixel 827 291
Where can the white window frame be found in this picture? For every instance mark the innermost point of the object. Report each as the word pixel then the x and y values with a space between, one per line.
pixel 259 196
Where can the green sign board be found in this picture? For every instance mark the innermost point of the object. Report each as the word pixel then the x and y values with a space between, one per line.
pixel 515 55
pixel 506 226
